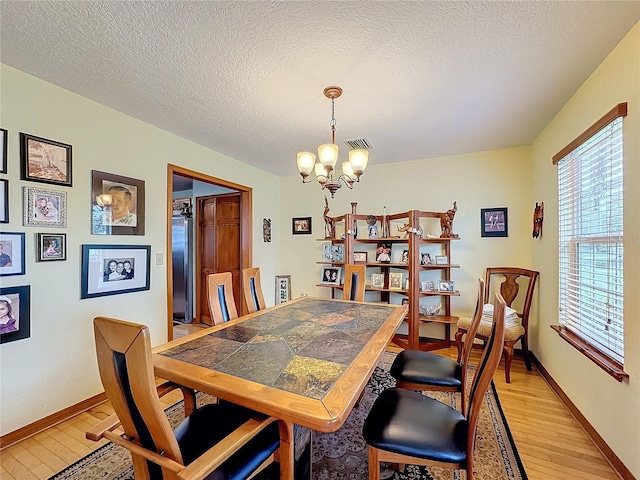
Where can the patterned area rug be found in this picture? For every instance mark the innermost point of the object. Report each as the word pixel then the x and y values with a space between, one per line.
pixel 343 454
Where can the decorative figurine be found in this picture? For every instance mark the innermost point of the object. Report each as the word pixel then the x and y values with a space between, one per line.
pixel 446 223
pixel 538 217
pixel 406 229
pixel 329 222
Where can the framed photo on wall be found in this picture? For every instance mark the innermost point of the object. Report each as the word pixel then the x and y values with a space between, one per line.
pixel 15 312
pixel 283 288
pixel 117 204
pixel 301 226
pixel 44 208
pixel 43 160
pixel 4 142
pixel 114 269
pixel 493 222
pixel 11 253
pixel 51 247
pixel 4 201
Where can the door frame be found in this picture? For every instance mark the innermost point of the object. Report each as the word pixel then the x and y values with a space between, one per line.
pixel 246 250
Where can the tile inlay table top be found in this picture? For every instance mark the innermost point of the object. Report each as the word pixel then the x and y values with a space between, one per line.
pixel 304 361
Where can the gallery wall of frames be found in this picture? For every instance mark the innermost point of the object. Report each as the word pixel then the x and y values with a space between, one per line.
pixel 117 208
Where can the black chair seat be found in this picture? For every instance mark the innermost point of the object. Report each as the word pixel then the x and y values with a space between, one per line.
pixel 406 422
pixel 426 368
pixel 209 424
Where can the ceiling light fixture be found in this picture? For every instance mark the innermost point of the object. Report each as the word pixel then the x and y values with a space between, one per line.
pixel 328 156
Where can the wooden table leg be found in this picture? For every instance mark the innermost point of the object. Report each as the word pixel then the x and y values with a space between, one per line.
pixel 287 454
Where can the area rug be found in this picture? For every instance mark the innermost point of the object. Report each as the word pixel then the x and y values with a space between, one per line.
pixel 343 454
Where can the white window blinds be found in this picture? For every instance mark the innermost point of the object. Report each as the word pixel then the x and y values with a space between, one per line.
pixel 590 181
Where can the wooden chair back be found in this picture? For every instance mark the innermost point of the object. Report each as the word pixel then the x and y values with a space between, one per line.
pixel 510 288
pixel 468 342
pixel 222 305
pixel 484 374
pixel 126 371
pixel 354 280
pixel 252 290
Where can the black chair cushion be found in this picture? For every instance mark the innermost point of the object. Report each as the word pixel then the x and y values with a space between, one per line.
pixel 426 368
pixel 406 422
pixel 209 424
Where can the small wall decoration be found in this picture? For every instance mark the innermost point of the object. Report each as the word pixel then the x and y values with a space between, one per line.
pixel 538 217
pixel 117 204
pixel 447 286
pixel 395 281
pixel 301 226
pixel 114 269
pixel 446 222
pixel 44 208
pixel 45 161
pixel 266 230
pixel 3 150
pixel 15 310
pixel 383 252
pixel 425 259
pixel 377 280
pixel 11 254
pixel 493 222
pixel 4 201
pixel 51 247
pixel 283 288
pixel 329 222
pixel 360 257
pixel 331 275
pixel 442 260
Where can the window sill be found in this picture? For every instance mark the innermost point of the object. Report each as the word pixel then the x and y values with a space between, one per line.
pixel 606 363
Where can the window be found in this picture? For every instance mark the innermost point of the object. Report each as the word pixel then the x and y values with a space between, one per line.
pixel 590 221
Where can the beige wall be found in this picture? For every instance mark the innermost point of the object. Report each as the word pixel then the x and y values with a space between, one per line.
pixel 612 408
pixel 56 367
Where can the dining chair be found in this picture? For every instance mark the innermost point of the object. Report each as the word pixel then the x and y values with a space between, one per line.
pixel 354 280
pixel 217 440
pixel 407 427
pixel 222 305
pixel 418 370
pixel 515 329
pixel 252 289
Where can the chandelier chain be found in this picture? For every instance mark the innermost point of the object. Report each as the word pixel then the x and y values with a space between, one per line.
pixel 333 120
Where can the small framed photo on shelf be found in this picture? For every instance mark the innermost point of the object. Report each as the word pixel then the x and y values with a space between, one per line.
pixel 51 246
pixel 427 286
pixel 331 275
pixel 425 259
pixel 405 301
pixel 327 253
pixel 405 257
pixel 301 226
pixel 360 257
pixel 442 260
pixel 114 269
pixel 493 222
pixel 383 252
pixel 373 231
pixel 447 286
pixel 16 304
pixel 338 253
pixel 43 160
pixel 395 281
pixel 11 253
pixel 377 280
pixel 46 208
pixel 283 288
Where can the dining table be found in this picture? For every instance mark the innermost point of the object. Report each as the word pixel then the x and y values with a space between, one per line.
pixel 304 362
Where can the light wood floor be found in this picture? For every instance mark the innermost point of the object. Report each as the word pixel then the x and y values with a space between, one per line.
pixel 551 443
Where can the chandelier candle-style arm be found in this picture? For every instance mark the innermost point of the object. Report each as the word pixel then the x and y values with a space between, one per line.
pixel 328 157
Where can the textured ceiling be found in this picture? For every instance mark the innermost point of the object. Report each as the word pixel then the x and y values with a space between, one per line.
pixel 420 79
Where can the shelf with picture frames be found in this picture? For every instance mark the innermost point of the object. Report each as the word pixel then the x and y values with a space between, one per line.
pixel 413 234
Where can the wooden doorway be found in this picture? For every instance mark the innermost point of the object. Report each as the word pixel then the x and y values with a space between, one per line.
pixel 242 232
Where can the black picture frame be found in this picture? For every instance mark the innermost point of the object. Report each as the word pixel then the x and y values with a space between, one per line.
pixel 51 247
pixel 331 275
pixel 13 246
pixel 4 145
pixel 18 299
pixel 46 161
pixel 494 222
pixel 4 201
pixel 133 191
pixel 301 226
pixel 99 280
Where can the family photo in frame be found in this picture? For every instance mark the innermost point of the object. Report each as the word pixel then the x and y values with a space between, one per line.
pixel 12 253
pixel 51 247
pixel 117 204
pixel 15 311
pixel 44 208
pixel 301 226
pixel 331 275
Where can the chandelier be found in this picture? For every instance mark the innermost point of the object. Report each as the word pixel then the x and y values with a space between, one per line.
pixel 328 157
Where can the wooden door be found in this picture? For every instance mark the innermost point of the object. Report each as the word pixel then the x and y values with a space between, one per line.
pixel 219 247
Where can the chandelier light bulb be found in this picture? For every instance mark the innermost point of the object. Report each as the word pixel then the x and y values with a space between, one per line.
pixel 328 155
pixel 358 158
pixel 305 162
